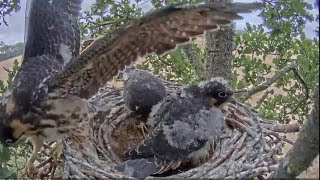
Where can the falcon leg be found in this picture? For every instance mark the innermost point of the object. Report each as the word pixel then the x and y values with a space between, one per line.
pixel 143 128
pixel 37 143
pixel 56 152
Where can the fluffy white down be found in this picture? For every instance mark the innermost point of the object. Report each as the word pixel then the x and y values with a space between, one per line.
pixel 218 79
pixel 65 52
pixel 204 125
pixel 221 80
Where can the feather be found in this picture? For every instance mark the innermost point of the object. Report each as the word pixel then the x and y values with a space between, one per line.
pixel 142 90
pixel 157 32
pixel 52 28
pixel 138 168
pixel 185 127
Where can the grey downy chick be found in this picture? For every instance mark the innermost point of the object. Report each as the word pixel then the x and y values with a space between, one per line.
pixel 186 125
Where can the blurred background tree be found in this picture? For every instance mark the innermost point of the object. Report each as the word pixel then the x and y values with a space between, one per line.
pixel 6 8
pixel 280 38
pixel 10 51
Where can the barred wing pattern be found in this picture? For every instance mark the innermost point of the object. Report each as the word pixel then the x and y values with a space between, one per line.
pixel 157 32
pixel 51 27
pixel 52 40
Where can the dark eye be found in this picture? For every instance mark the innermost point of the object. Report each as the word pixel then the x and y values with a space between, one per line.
pixel 8 141
pixel 223 94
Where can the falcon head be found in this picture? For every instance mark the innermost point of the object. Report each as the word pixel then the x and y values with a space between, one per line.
pixel 6 135
pixel 217 89
pixel 10 130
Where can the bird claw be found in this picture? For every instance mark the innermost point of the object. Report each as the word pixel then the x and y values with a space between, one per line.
pixel 56 152
pixel 143 128
pixel 30 170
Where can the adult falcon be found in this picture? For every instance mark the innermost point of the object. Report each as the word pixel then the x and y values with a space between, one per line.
pixel 48 100
pixel 52 40
pixel 185 127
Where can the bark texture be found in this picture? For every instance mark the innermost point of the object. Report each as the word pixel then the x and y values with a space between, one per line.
pixel 219 51
pixel 305 149
pixel 195 61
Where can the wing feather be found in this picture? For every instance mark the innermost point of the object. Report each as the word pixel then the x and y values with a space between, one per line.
pixel 157 32
pixel 50 26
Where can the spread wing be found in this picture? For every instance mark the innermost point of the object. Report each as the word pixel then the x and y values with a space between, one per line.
pixel 52 39
pixel 52 28
pixel 157 32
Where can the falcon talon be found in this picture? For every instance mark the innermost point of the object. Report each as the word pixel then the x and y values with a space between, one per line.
pixel 56 152
pixel 142 126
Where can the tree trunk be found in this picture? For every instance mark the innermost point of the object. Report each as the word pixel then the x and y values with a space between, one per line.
pixel 219 51
pixel 305 149
pixel 194 60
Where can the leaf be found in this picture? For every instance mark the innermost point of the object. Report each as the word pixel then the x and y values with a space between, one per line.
pixel 7 174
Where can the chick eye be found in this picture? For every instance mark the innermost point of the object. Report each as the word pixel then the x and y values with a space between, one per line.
pixel 222 94
pixel 8 141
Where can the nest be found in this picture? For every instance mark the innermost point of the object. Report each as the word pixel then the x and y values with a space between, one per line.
pixel 248 146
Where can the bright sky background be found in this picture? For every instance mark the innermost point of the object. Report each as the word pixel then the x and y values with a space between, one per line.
pixel 14 33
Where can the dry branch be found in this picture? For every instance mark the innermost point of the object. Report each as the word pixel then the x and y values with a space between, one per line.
pixel 305 149
pixel 239 154
pixel 248 92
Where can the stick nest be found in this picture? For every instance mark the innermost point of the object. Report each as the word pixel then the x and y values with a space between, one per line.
pixel 248 146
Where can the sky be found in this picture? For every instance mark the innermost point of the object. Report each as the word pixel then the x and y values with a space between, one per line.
pixel 14 33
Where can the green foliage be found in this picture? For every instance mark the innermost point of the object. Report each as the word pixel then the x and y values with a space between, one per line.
pixel 10 51
pixel 13 160
pixel 11 73
pixel 174 66
pixel 106 15
pixel 286 20
pixel 7 7
pixel 283 19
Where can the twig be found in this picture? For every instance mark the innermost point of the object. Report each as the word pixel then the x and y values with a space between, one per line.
pixel 241 127
pixel 256 171
pixel 277 135
pixel 261 100
pixel 44 162
pixel 278 75
pixel 84 164
pixel 302 81
pixel 283 128
pixel 238 91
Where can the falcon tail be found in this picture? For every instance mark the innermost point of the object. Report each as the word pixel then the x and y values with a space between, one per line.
pixel 138 168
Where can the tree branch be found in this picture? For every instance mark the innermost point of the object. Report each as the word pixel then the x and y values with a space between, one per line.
pixel 261 100
pixel 263 86
pixel 305 149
